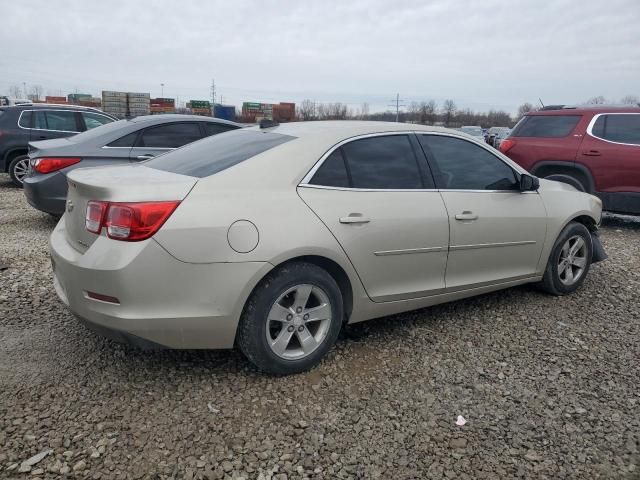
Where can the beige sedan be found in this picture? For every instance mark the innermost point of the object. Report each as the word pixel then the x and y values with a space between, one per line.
pixel 273 238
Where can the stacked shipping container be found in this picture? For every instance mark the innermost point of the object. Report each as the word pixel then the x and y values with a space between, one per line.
pixel 163 105
pixel 282 112
pixel 59 100
pixel 138 104
pixel 200 107
pixel 226 112
pixel 115 103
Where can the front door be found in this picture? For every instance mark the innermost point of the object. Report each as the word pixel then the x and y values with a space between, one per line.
pixel 374 196
pixel 496 231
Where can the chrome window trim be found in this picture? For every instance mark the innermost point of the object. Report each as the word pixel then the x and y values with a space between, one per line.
pixel 47 129
pixel 491 245
pixel 143 148
pixel 499 156
pixel 595 119
pixel 409 251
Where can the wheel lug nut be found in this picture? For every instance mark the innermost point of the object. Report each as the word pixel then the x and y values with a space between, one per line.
pixel 289 317
pixel 291 328
pixel 298 310
pixel 306 316
pixel 300 328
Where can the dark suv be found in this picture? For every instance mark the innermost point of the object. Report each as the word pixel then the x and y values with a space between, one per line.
pixel 24 123
pixel 594 148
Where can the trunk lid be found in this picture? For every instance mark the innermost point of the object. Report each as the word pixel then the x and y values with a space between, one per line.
pixel 130 183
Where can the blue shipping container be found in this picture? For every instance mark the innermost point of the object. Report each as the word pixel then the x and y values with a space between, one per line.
pixel 225 112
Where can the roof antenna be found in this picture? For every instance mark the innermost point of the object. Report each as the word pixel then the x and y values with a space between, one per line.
pixel 540 100
pixel 268 123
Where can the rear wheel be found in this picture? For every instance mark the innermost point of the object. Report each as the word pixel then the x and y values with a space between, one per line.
pixel 18 169
pixel 569 261
pixel 291 320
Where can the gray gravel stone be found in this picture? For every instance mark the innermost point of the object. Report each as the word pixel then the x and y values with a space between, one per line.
pixel 549 386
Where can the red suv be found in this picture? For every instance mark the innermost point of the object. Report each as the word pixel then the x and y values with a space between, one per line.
pixel 596 149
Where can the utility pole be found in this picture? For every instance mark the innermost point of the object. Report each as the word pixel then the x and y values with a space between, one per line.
pixel 24 85
pixel 397 104
pixel 162 90
pixel 213 92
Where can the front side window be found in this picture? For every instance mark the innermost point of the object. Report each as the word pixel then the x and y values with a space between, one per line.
pixel 620 128
pixel 385 162
pixel 462 165
pixel 172 135
pixel 93 120
pixel 61 120
pixel 545 125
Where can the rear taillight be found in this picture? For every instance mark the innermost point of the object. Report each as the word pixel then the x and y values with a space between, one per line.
pixel 506 145
pixel 130 222
pixel 53 164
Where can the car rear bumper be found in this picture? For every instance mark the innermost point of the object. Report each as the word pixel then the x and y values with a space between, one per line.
pixel 163 302
pixel 46 193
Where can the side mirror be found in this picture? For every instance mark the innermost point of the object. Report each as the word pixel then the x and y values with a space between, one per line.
pixel 529 183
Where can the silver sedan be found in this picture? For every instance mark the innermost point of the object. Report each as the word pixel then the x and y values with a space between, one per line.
pixel 273 238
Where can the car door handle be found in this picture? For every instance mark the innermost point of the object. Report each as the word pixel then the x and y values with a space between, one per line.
pixel 354 218
pixel 144 157
pixel 592 153
pixel 466 215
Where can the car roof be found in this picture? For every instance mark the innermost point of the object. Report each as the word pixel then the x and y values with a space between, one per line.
pixel 338 130
pixel 582 109
pixel 168 117
pixel 53 105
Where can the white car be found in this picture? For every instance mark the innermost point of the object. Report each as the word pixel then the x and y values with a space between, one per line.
pixel 273 238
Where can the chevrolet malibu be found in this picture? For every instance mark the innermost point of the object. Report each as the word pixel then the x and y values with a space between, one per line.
pixel 271 238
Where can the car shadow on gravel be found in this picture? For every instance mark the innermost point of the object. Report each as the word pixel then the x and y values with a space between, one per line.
pixel 627 222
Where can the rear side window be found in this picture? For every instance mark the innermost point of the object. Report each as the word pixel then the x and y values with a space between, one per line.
pixel 462 165
pixel 61 120
pixel 172 135
pixel 545 126
pixel 211 128
pixel 621 128
pixel 127 141
pixel 332 172
pixel 93 120
pixel 25 119
pixel 386 162
pixel 218 152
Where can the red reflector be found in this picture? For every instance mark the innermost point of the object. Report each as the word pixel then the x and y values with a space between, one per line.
pixel 506 145
pixel 95 216
pixel 103 298
pixel 49 164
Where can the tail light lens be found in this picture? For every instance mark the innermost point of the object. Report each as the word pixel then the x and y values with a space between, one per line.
pixel 506 145
pixel 53 164
pixel 129 222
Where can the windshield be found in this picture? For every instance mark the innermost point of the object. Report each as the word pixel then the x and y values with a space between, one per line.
pixel 99 131
pixel 475 131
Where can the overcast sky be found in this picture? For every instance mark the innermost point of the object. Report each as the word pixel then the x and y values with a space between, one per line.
pixel 482 54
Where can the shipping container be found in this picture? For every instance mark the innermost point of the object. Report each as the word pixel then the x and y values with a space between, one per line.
pixel 52 99
pixel 78 97
pixel 225 112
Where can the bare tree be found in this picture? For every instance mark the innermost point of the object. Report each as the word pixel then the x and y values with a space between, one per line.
pixel 630 100
pixel 36 92
pixel 599 100
pixel 448 111
pixel 525 108
pixel 333 111
pixel 413 112
pixel 364 111
pixel 428 112
pixel 15 91
pixel 307 110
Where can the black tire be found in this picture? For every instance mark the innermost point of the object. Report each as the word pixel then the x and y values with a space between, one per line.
pixel 551 282
pixel 15 178
pixel 252 330
pixel 569 179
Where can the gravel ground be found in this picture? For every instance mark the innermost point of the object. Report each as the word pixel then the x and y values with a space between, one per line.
pixel 548 386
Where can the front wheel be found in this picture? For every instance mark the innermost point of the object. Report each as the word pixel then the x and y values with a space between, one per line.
pixel 291 320
pixel 18 169
pixel 569 261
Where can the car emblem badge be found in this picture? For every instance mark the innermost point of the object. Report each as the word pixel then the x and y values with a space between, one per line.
pixel 69 206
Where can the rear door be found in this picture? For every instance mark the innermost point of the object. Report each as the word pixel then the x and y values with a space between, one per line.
pixel 159 139
pixel 49 124
pixel 378 200
pixel 496 231
pixel 611 150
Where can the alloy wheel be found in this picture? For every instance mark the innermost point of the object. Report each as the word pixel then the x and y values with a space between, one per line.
pixel 21 169
pixel 572 260
pixel 298 321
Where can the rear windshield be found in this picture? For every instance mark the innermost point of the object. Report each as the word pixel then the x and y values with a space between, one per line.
pixel 545 126
pixel 99 131
pixel 214 154
pixel 475 131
